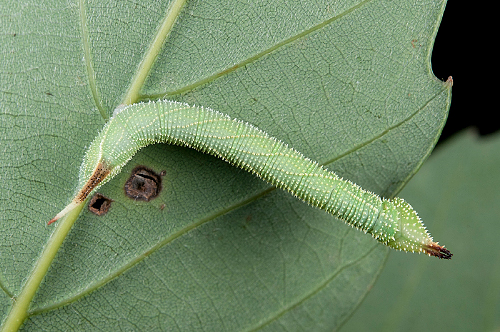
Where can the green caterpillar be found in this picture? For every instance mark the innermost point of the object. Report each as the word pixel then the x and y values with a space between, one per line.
pixel 392 222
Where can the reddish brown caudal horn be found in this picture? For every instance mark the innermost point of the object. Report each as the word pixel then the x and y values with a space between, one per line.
pixel 436 250
pixel 100 173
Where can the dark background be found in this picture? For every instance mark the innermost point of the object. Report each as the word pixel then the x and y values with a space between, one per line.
pixel 465 49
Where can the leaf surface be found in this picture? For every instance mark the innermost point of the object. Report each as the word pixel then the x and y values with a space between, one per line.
pixel 348 84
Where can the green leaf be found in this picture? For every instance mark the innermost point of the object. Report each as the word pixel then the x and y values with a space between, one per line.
pixel 457 195
pixel 348 84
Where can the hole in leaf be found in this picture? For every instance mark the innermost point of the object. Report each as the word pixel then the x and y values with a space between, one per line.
pixel 99 204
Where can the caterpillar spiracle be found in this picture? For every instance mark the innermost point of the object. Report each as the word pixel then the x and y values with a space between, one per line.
pixel 392 222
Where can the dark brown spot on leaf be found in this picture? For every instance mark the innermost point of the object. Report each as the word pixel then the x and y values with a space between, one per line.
pixel 144 184
pixel 99 204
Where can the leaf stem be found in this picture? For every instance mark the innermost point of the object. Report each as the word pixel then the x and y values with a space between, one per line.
pixel 19 311
pixel 151 54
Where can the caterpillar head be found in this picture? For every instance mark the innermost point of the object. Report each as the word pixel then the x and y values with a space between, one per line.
pixel 412 234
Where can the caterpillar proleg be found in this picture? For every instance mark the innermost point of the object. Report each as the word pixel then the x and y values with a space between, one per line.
pixel 392 222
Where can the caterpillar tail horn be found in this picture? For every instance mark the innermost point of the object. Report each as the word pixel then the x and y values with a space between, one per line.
pixel 434 249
